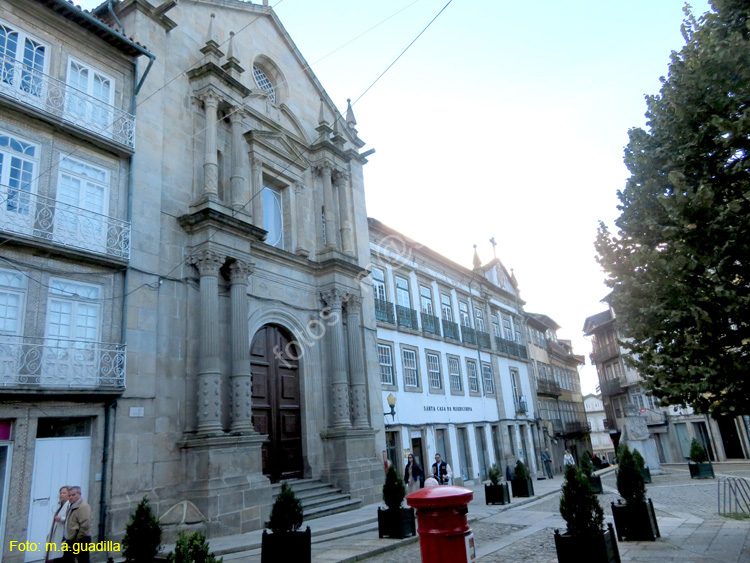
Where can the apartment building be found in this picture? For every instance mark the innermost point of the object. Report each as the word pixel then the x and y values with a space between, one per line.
pixel 601 442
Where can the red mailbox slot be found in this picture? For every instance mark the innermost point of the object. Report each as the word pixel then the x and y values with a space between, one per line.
pixel 444 533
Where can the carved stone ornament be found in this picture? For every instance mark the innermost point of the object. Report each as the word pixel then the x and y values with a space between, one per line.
pixel 207 262
pixel 333 298
pixel 239 271
pixel 353 302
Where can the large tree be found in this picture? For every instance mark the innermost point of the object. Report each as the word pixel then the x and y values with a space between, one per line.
pixel 679 263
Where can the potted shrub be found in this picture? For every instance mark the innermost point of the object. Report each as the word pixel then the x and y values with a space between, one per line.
pixel 635 519
pixel 640 463
pixel 700 466
pixel 522 485
pixel 586 538
pixel 286 542
pixel 192 548
pixel 496 492
pixel 395 521
pixel 587 467
pixel 142 535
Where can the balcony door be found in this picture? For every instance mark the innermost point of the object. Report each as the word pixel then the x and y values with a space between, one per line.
pixel 18 161
pixel 81 210
pixel 89 98
pixel 22 65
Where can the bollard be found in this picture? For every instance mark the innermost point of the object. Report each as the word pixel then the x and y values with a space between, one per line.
pixel 444 533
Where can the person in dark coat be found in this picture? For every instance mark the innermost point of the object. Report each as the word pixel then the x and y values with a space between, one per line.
pixel 413 475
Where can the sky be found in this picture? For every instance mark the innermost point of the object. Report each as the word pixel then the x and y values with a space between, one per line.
pixel 504 119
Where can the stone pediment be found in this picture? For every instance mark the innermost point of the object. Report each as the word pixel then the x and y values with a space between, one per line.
pixel 279 145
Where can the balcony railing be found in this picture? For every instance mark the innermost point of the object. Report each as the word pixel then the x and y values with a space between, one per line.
pixel 484 339
pixel 60 364
pixel 510 348
pixel 557 426
pixel 577 426
pixel 60 100
pixel 611 387
pixel 384 311
pixel 44 218
pixel 469 335
pixel 450 330
pixel 431 324
pixel 547 387
pixel 605 351
pixel 406 317
pixel 521 407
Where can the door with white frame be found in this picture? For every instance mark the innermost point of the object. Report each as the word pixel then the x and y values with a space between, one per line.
pixel 57 462
pixel 18 163
pixel 89 98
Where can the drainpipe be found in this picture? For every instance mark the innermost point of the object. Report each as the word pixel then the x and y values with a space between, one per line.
pixel 105 464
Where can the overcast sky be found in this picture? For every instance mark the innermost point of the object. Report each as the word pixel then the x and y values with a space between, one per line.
pixel 505 119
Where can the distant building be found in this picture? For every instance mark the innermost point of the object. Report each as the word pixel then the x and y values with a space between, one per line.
pixel 601 442
pixel 672 428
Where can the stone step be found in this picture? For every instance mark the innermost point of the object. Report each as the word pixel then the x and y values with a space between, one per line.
pixel 332 508
pixel 319 498
pixel 307 504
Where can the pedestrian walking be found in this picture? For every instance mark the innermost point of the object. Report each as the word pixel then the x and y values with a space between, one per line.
pixel 547 459
pixel 413 475
pixel 442 471
pixel 568 459
pixel 57 531
pixel 77 528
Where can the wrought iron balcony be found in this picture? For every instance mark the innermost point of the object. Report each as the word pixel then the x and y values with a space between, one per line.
pixel 521 407
pixel 469 335
pixel 384 311
pixel 547 387
pixel 510 348
pixel 611 387
pixel 431 324
pixel 406 317
pixel 450 330
pixel 605 351
pixel 484 339
pixel 577 427
pixel 53 97
pixel 45 363
pixel 43 218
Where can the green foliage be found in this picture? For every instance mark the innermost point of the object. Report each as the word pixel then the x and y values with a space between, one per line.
pixel 142 535
pixel 521 471
pixel 587 466
pixel 698 452
pixel 640 463
pixel 192 548
pixel 286 512
pixel 394 490
pixel 495 474
pixel 629 479
pixel 678 265
pixel 579 505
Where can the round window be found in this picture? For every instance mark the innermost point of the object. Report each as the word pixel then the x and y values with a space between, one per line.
pixel 264 83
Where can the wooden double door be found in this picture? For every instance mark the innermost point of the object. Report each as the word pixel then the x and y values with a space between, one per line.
pixel 277 408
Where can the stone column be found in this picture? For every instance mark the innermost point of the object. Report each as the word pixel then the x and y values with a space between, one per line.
pixel 210 161
pixel 242 385
pixel 331 235
pixel 357 380
pixel 339 381
pixel 209 366
pixel 347 243
pixel 303 234
pixel 237 181
pixel 257 174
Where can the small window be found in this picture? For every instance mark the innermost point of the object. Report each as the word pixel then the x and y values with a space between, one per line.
pixel 378 284
pixel 496 326
pixel 454 372
pixel 489 386
pixel 402 293
pixel 12 298
pixel 23 61
pixel 273 216
pixel 425 295
pixel 445 304
pixel 433 369
pixel 264 83
pixel 479 318
pixel 411 376
pixel 463 310
pixel 385 358
pixel 471 370
pixel 507 328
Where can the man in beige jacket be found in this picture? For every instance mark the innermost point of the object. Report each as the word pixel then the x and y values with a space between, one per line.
pixel 77 527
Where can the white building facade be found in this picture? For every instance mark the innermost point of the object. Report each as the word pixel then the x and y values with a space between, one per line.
pixel 601 442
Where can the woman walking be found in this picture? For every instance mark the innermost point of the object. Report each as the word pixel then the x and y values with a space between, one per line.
pixel 413 475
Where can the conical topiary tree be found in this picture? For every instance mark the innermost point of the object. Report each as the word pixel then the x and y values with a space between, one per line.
pixel 629 478
pixel 578 504
pixel 521 471
pixel 286 513
pixel 698 452
pixel 587 466
pixel 192 548
pixel 142 535
pixel 394 490
pixel 640 463
pixel 494 474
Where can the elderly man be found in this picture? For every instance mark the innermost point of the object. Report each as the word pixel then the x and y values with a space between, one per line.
pixel 77 527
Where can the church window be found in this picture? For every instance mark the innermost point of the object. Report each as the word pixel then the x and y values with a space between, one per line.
pixel 264 83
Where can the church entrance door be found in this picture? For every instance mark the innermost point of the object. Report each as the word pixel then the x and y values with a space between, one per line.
pixel 277 408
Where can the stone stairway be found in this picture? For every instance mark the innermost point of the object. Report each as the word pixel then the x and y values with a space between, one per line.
pixel 319 498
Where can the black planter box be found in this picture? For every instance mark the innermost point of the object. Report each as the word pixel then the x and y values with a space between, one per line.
pixel 596 484
pixel 497 494
pixel 598 548
pixel 288 546
pixel 701 470
pixel 522 487
pixel 635 522
pixel 646 474
pixel 396 523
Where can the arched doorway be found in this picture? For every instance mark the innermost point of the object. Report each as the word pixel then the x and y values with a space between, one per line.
pixel 276 401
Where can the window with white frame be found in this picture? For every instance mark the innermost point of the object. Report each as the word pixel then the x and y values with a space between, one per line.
pixel 411 373
pixel 22 59
pixel 82 186
pixel 12 301
pixel 273 216
pixel 73 312
pixel 463 311
pixel 489 385
pixel 496 325
pixel 90 97
pixel 517 327
pixel 433 371
pixel 454 373
pixel 479 319
pixel 507 328
pixel 403 299
pixel 425 296
pixel 378 284
pixel 473 376
pixel 515 384
pixel 385 358
pixel 261 79
pixel 18 162
pixel 447 308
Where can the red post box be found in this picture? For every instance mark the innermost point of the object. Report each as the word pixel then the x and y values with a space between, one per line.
pixel 444 533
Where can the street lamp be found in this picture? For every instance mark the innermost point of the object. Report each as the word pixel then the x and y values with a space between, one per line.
pixel 546 433
pixel 391 399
